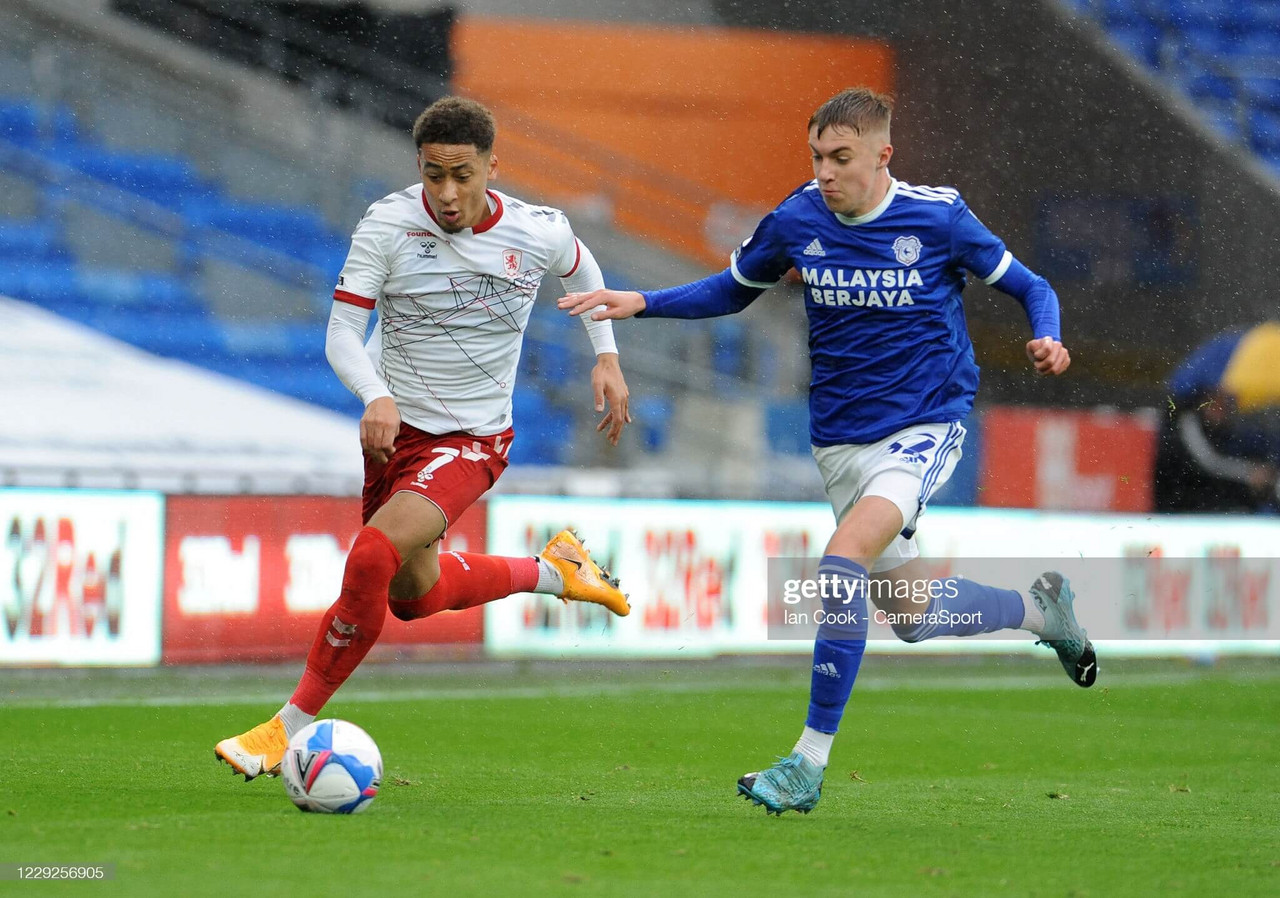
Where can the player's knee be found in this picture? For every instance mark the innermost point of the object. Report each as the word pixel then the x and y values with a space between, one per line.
pixel 372 558
pixel 406 610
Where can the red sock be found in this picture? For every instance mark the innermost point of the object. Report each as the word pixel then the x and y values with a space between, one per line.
pixel 467 580
pixel 351 627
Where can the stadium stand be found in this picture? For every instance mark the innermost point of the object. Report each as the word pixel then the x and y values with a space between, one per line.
pixel 166 224
pixel 1225 57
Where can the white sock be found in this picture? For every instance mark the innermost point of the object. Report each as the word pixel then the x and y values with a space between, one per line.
pixel 815 746
pixel 1032 616
pixel 293 718
pixel 550 580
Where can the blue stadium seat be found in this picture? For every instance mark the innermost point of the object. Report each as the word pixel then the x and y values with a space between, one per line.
pixel 729 346
pixel 25 242
pixel 1141 41
pixel 1262 91
pixel 1118 12
pixel 786 425
pixel 1264 132
pixel 544 432
pixel 30 124
pixel 275 340
pixel 1207 87
pixel 288 229
pixel 166 180
pixel 652 419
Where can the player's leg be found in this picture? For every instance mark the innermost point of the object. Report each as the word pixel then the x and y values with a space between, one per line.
pixel 961 607
pixel 432 581
pixel 957 606
pixel 347 631
pixel 795 782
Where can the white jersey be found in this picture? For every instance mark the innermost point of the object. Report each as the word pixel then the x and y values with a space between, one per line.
pixel 453 308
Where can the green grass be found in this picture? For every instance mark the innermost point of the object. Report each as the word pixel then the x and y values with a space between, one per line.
pixel 531 780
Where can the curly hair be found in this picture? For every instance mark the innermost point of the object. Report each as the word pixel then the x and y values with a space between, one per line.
pixel 455 120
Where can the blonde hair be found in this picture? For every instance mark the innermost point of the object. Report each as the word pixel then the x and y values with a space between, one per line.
pixel 858 108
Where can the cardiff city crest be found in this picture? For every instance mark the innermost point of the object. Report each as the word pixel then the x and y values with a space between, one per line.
pixel 907 250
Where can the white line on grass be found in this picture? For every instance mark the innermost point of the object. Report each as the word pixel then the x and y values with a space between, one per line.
pixel 355 694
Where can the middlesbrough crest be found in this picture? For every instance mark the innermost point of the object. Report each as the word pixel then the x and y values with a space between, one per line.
pixel 511 261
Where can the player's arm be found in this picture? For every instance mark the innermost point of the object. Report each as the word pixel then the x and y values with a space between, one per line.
pixel 754 267
pixel 607 382
pixel 710 297
pixel 362 277
pixel 983 253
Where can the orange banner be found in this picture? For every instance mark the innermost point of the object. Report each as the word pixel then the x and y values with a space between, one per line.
pixel 682 135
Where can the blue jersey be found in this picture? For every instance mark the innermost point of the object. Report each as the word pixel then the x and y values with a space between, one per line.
pixel 887 335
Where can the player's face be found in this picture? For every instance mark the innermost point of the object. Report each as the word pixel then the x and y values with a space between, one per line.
pixel 852 169
pixel 455 177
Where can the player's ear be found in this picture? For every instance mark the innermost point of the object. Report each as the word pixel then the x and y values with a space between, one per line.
pixel 493 166
pixel 886 153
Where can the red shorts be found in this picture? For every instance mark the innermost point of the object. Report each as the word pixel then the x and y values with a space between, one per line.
pixel 453 470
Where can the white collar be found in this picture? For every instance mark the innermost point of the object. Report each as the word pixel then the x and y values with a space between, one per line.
pixel 874 213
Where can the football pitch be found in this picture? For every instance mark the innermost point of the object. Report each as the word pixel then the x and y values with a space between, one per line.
pixel 950 777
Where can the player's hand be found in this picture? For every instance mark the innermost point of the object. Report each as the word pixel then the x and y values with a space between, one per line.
pixel 379 426
pixel 617 303
pixel 610 387
pixel 1048 355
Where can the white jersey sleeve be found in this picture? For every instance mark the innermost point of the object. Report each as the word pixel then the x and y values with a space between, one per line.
pixel 367 267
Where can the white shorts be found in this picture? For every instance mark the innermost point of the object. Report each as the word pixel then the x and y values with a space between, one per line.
pixel 906 468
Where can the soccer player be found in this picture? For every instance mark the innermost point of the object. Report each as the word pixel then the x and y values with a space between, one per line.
pixel 883 267
pixel 452 268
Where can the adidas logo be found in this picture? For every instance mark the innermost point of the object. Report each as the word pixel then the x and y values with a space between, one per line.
pixel 826 668
pixel 815 249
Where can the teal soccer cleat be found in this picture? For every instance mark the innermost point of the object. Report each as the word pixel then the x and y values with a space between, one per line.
pixel 793 784
pixel 1052 594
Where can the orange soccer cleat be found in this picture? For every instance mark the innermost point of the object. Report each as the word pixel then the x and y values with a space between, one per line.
pixel 256 752
pixel 584 580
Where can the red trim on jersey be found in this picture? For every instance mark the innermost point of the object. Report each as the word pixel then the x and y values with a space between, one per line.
pixel 576 259
pixel 484 225
pixel 493 218
pixel 355 299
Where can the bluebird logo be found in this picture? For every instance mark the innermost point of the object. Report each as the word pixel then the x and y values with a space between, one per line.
pixel 907 250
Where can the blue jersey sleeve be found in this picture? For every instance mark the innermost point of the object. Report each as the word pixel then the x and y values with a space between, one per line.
pixel 762 258
pixel 974 247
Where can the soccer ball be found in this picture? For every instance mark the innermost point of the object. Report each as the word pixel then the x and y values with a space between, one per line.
pixel 332 767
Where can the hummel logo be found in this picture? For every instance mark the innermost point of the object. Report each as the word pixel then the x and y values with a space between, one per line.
pixel 815 249
pixel 827 669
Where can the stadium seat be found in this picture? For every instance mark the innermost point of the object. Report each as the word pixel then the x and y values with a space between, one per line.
pixel 30 124
pixel 1262 91
pixel 1141 41
pixel 652 417
pixel 786 425
pixel 544 432
pixel 28 241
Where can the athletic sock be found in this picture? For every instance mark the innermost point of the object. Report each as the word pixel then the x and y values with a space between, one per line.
pixel 467 580
pixel 815 746
pixel 550 580
pixel 960 607
pixel 841 640
pixel 294 718
pixel 1032 616
pixel 352 625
